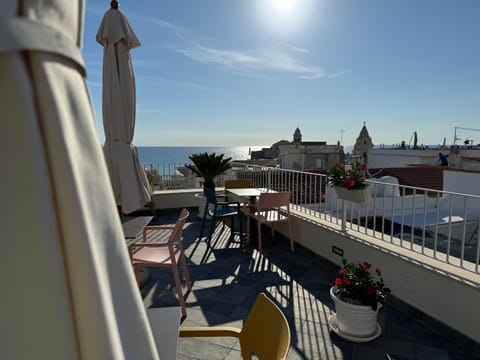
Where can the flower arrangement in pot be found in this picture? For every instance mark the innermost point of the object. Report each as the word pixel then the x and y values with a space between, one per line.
pixel 349 181
pixel 347 176
pixel 358 293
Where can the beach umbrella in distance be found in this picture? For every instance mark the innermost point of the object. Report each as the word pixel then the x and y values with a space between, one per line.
pixel 129 181
pixel 70 292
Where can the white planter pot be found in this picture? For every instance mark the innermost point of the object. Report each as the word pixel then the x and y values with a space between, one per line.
pixel 356 321
pixel 201 206
pixel 355 195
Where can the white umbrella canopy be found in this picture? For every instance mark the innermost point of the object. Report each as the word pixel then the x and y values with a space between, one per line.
pixel 129 181
pixel 68 287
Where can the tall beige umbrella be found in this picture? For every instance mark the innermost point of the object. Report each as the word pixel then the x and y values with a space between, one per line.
pixel 129 181
pixel 68 289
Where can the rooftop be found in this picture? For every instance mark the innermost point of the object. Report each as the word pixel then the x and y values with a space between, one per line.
pixel 227 277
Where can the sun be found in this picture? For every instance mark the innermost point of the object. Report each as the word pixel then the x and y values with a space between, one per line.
pixel 282 7
pixel 284 17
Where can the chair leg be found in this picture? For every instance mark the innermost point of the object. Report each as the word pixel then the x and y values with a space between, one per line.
pixel 290 235
pixel 178 285
pixel 240 225
pixel 247 240
pixel 186 275
pixel 232 228
pixel 259 230
pixel 138 277
pixel 203 226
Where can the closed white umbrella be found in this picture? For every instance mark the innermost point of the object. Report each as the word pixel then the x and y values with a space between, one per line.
pixel 68 289
pixel 129 181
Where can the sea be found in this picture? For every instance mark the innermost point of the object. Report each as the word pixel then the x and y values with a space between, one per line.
pixel 154 155
pixel 180 154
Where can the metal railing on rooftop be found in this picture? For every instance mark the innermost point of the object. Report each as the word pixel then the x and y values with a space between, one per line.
pixel 438 224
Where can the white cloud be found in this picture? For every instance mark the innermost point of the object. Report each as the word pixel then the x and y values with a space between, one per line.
pixel 152 80
pixel 264 60
pixel 321 75
pixel 228 58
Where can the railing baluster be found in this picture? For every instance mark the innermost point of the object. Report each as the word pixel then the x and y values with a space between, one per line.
pixel 309 196
pixel 450 209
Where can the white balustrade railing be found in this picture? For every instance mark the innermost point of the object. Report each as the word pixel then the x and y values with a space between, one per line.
pixel 439 224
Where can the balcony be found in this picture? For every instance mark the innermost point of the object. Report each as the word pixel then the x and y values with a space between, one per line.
pixel 227 278
pixel 434 277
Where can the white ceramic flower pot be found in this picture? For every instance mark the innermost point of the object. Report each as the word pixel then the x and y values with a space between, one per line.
pixel 355 320
pixel 355 195
pixel 201 206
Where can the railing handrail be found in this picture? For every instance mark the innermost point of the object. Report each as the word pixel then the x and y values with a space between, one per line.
pixel 312 195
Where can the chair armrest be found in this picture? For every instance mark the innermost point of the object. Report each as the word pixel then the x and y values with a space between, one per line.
pixel 233 203
pixel 212 331
pixel 148 244
pixel 159 227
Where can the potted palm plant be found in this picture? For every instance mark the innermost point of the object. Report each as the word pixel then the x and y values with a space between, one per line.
pixel 358 294
pixel 208 166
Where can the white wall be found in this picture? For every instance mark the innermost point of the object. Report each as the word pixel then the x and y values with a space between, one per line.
pixel 430 286
pixel 465 183
pixel 388 158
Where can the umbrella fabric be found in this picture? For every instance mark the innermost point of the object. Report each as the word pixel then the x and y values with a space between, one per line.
pixel 129 181
pixel 68 289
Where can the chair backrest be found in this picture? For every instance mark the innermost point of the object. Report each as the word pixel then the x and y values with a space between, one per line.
pixel 274 200
pixel 266 331
pixel 176 235
pixel 238 184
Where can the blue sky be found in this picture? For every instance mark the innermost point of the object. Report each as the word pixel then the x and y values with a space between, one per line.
pixel 248 72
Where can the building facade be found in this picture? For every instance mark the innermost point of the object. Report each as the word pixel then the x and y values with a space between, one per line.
pixel 309 155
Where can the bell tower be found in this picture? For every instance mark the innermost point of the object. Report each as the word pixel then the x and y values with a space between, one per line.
pixel 363 145
pixel 297 136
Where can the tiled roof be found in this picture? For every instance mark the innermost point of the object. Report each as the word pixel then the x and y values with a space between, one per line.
pixel 424 176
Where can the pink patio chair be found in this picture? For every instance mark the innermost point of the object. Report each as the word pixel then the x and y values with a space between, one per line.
pixel 163 254
pixel 272 208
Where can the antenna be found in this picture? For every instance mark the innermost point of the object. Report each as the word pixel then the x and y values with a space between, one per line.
pixel 341 136
pixel 457 138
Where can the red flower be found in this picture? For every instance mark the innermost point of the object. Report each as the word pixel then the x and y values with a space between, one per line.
pixel 350 183
pixel 358 284
pixel 366 265
pixel 363 166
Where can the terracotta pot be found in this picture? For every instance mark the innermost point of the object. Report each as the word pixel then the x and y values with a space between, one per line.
pixel 355 195
pixel 355 320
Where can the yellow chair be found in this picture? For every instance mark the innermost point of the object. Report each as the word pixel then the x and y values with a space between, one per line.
pixel 266 332
pixel 238 184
